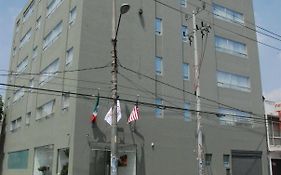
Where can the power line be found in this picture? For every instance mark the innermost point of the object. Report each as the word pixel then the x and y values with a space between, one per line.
pixel 12 73
pixel 183 90
pixel 249 22
pixel 164 107
pixel 262 43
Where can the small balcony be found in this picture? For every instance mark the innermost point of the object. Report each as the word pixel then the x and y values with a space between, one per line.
pixel 274 133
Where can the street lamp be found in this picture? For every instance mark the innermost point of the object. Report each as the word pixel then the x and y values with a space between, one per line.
pixel 114 139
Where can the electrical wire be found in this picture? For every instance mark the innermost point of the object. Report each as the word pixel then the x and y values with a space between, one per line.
pixel 188 92
pixel 164 107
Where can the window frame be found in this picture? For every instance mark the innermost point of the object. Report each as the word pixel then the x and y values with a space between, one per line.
pixel 158 23
pixel 229 46
pixel 226 11
pixel 158 64
pixel 159 112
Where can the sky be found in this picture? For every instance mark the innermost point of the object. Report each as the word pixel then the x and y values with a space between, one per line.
pixel 267 15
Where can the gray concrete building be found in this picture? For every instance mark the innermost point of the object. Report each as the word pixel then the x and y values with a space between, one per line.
pixel 51 132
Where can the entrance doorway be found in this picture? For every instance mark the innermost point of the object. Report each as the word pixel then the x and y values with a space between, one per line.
pixel 276 166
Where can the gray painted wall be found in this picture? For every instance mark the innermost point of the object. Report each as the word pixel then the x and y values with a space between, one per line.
pixel 174 138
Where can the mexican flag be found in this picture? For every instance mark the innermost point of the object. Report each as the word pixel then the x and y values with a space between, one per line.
pixel 95 110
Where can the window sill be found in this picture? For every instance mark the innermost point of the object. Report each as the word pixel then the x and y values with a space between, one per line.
pixel 241 55
pixel 228 86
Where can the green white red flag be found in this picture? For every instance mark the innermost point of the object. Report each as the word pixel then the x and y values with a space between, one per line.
pixel 95 110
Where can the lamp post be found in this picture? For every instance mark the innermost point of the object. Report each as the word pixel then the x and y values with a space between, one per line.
pixel 113 157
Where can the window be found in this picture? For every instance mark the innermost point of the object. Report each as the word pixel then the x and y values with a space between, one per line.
pixel 69 56
pixel 63 161
pixel 25 38
pixel 28 12
pixel 22 65
pixel 234 117
pixel 52 36
pixel 72 15
pixel 184 33
pixel 15 124
pixel 43 160
pixel 34 52
pixel 14 51
pixel 45 110
pixel 18 94
pixel 65 101
pixel 183 3
pixel 159 110
pixel 158 26
pixel 31 84
pixel 208 159
pixel 53 5
pixel 38 23
pixel 226 158
pixel 17 25
pixel 18 160
pixel 230 46
pixel 27 118
pixel 227 14
pixel 187 113
pixel 49 72
pixel 185 71
pixel 233 81
pixel 158 65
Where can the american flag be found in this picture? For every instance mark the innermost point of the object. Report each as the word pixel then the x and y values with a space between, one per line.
pixel 134 114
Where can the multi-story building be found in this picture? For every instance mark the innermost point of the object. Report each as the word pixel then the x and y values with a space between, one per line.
pixel 51 132
pixel 273 115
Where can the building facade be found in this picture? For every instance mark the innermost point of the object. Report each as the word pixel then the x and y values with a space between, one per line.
pixel 272 110
pixel 64 48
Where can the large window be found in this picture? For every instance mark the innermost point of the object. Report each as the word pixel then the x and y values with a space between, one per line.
pixel 45 110
pixel 159 65
pixel 234 117
pixel 233 81
pixel 159 110
pixel 28 12
pixel 49 72
pixel 18 160
pixel 18 94
pixel 158 26
pixel 53 5
pixel 230 46
pixel 227 14
pixel 22 65
pixel 43 160
pixel 15 124
pixel 185 71
pixel 52 36
pixel 26 37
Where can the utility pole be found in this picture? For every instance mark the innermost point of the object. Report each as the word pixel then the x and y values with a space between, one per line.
pixel 113 155
pixel 114 135
pixel 198 107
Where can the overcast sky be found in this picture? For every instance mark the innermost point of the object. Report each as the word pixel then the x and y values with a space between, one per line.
pixel 267 14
